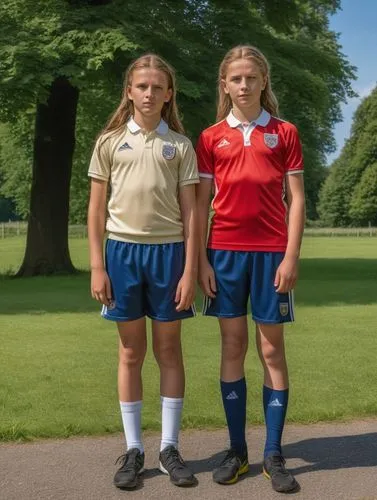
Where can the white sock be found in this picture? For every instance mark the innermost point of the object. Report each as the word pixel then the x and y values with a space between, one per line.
pixel 171 421
pixel 131 417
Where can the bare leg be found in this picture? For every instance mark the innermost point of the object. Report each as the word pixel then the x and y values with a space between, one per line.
pixel 132 349
pixel 234 344
pixel 168 353
pixel 270 345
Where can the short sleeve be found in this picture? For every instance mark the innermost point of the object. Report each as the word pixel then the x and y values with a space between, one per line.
pixel 100 163
pixel 188 168
pixel 205 158
pixel 294 163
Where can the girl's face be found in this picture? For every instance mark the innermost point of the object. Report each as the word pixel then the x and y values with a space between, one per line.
pixel 148 90
pixel 244 83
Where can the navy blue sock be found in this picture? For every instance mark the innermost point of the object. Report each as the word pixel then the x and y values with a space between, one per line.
pixel 234 401
pixel 275 405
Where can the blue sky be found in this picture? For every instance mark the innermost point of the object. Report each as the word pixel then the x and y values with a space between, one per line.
pixel 357 25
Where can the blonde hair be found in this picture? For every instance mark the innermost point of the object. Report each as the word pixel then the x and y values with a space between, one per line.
pixel 268 99
pixel 125 109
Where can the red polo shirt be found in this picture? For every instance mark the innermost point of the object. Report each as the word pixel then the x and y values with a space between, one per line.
pixel 248 164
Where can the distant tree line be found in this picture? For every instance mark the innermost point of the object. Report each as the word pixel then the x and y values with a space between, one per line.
pixel 349 195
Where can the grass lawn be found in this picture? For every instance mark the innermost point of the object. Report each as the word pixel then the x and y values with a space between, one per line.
pixel 58 358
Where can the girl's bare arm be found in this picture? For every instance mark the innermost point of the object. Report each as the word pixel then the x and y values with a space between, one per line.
pixel 186 287
pixel 100 283
pixel 206 274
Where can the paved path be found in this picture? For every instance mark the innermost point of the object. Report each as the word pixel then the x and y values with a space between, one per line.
pixel 331 461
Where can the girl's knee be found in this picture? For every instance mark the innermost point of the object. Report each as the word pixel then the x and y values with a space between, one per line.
pixel 233 349
pixel 272 355
pixel 132 356
pixel 168 354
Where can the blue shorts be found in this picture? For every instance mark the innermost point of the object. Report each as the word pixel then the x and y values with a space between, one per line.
pixel 240 275
pixel 144 281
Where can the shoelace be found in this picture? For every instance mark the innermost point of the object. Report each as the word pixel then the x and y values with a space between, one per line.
pixel 230 456
pixel 277 465
pixel 173 458
pixel 125 458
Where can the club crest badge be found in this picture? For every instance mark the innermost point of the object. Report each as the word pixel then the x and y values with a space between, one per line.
pixel 283 307
pixel 111 305
pixel 271 140
pixel 168 151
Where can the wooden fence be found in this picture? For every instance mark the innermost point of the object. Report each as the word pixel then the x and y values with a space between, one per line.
pixel 19 228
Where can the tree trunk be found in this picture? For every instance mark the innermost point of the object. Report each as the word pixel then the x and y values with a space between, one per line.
pixel 47 249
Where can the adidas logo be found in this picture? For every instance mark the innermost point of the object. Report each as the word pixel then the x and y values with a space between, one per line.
pixel 223 143
pixel 124 146
pixel 275 402
pixel 232 395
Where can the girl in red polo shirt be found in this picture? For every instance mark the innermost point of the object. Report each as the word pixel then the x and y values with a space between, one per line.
pixel 252 162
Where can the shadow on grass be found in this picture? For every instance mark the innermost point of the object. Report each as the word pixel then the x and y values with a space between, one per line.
pixel 338 269
pixel 322 282
pixel 337 282
pixel 329 453
pixel 50 294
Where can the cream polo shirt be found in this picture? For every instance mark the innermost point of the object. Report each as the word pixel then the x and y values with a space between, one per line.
pixel 145 171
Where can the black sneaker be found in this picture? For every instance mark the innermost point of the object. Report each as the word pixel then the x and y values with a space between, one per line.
pixel 231 468
pixel 132 464
pixel 281 479
pixel 171 463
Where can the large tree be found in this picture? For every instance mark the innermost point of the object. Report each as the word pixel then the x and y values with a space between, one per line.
pixel 49 48
pixel 84 46
pixel 54 52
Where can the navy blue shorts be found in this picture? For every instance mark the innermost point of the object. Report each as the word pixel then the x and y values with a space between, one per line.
pixel 144 281
pixel 240 275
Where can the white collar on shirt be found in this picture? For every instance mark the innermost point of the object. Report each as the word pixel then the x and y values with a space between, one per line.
pixel 262 119
pixel 162 127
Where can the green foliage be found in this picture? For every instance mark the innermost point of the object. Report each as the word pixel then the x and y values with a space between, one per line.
pixel 332 199
pixel 57 39
pixel 15 164
pixel 92 42
pixel 348 197
pixel 363 205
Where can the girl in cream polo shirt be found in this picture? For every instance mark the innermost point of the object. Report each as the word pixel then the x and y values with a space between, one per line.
pixel 151 251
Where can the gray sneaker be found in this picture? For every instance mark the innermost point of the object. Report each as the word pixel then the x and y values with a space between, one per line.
pixel 281 479
pixel 132 464
pixel 231 468
pixel 172 463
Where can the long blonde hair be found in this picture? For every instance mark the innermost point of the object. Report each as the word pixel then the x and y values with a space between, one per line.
pixel 125 109
pixel 268 99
